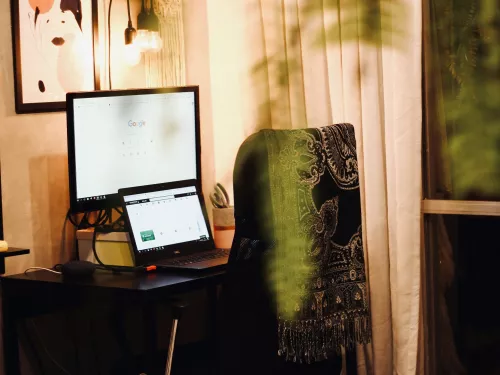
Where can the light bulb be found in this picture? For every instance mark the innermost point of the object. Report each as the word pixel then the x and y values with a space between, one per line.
pixel 142 40
pixel 155 42
pixel 132 54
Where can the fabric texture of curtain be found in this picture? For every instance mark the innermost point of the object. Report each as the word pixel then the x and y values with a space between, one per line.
pixel 312 65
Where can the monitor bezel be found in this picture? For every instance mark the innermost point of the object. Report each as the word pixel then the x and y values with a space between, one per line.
pixel 113 200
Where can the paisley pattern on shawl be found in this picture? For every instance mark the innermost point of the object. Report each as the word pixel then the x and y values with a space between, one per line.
pixel 314 185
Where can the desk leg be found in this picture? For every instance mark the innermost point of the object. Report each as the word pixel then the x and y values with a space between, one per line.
pixel 150 338
pixel 10 336
pixel 212 323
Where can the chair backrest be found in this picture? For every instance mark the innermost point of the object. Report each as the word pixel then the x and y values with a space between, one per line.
pixel 310 178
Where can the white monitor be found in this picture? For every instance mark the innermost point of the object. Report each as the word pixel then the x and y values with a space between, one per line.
pixel 121 139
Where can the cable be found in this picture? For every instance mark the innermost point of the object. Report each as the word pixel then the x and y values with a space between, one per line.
pixel 128 10
pixel 84 223
pixel 109 42
pixel 40 268
pixel 114 268
pixel 46 350
pixel 102 217
pixel 71 219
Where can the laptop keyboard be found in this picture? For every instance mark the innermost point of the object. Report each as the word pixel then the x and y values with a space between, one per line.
pixel 198 258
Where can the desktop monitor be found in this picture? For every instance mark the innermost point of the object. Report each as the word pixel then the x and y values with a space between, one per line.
pixel 125 138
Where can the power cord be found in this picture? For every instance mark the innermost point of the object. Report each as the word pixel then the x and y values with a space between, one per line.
pixel 41 268
pixel 114 268
pixel 99 225
pixel 85 222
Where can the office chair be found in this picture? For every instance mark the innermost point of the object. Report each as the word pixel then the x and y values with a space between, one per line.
pixel 302 186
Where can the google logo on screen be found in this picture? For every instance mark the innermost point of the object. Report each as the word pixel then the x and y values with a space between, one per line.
pixel 133 124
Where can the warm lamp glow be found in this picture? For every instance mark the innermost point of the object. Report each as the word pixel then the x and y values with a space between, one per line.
pixel 132 54
pixel 148 41
pixel 155 42
pixel 142 40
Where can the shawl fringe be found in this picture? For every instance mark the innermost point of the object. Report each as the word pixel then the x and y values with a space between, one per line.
pixel 314 340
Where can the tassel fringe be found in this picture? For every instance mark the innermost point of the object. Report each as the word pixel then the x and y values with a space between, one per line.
pixel 315 340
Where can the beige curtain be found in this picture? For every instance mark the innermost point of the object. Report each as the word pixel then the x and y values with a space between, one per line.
pixel 321 67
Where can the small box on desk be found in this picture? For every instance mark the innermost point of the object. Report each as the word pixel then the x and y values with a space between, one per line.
pixel 112 248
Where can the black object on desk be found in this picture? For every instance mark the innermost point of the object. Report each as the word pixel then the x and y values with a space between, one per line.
pixel 36 293
pixel 11 252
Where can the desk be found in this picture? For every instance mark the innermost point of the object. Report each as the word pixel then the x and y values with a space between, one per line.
pixel 40 292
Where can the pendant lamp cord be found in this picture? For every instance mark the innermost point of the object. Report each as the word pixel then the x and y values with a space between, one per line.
pixel 109 44
pixel 129 17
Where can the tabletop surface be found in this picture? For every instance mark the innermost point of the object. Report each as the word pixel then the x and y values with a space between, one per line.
pixel 124 281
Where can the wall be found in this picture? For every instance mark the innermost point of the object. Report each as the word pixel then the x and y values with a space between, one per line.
pixel 33 156
pixel 198 73
pixel 227 61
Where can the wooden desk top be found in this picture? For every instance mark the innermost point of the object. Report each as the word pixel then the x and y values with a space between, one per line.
pixel 164 281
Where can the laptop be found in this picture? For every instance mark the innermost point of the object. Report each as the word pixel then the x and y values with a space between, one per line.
pixel 169 228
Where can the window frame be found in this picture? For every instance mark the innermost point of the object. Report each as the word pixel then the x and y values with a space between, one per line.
pixel 431 208
pixel 455 207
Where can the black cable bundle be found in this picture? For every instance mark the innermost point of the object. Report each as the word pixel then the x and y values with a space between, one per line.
pixel 114 227
pixel 102 217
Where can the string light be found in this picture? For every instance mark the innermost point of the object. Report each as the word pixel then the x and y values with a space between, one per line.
pixel 148 30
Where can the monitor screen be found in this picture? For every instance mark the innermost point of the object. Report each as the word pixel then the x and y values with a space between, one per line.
pixel 164 218
pixel 120 139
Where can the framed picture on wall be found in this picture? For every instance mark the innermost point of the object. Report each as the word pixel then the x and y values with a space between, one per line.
pixel 54 43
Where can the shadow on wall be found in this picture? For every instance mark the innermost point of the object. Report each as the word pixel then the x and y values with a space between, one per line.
pixel 52 236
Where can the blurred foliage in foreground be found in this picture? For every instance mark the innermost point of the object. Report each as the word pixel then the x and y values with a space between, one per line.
pixel 467 52
pixel 468 47
pixel 467 40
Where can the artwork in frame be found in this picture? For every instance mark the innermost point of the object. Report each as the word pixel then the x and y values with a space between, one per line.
pixel 54 43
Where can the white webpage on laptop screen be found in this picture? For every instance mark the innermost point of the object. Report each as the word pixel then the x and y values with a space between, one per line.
pixel 168 217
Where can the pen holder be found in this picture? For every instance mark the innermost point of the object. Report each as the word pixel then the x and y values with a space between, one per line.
pixel 223 227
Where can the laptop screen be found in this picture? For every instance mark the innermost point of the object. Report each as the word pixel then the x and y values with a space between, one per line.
pixel 168 217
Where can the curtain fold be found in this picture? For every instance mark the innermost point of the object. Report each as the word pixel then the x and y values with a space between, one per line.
pixel 318 62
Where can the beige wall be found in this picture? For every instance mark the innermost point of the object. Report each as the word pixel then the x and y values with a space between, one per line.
pixel 198 73
pixel 233 90
pixel 33 156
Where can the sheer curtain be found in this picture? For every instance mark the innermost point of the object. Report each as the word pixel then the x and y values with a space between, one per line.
pixel 303 63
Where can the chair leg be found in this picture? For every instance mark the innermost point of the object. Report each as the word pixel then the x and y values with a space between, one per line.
pixel 177 310
pixel 173 333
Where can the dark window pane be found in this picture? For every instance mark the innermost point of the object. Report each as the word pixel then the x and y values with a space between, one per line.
pixel 465 252
pixel 461 100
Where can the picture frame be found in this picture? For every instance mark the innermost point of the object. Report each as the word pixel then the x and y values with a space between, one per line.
pixel 54 44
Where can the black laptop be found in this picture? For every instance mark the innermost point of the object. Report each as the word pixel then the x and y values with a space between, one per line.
pixel 169 228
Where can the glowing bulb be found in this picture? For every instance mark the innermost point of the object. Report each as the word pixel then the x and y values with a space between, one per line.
pixel 142 40
pixel 155 42
pixel 132 54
